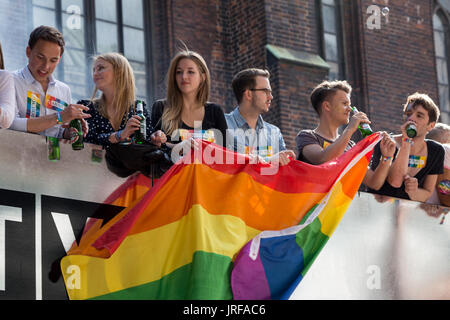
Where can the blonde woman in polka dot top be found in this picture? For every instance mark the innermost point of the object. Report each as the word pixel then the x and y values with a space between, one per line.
pixel 113 117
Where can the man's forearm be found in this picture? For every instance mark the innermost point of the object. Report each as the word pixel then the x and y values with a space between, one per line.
pixel 40 124
pixel 375 179
pixel 337 148
pixel 420 194
pixel 399 167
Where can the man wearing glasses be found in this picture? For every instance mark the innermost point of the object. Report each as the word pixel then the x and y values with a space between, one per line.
pixel 247 132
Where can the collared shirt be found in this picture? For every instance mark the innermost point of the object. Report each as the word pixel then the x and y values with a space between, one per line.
pixel 265 140
pixel 33 102
pixel 7 102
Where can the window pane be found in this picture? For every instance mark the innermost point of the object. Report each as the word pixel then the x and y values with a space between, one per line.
pixel 75 69
pixel 133 41
pixel 444 98
pixel 334 71
pixel 439 44
pixel 132 13
pixel 330 2
pixel 106 10
pixel 329 19
pixel 331 47
pixel 445 4
pixel 43 17
pixel 73 30
pixel 45 3
pixel 106 37
pixel 70 4
pixel 141 80
pixel 442 71
pixel 437 23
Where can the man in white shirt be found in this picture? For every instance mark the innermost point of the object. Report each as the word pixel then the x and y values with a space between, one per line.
pixel 44 103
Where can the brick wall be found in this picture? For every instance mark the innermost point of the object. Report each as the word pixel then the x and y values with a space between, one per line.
pixel 383 66
pixel 292 25
pixel 399 60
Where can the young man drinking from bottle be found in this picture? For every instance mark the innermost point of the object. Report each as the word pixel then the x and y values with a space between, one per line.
pixel 331 101
pixel 417 161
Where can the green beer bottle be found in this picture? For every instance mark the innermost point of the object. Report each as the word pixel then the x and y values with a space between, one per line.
pixel 364 128
pixel 411 130
pixel 140 135
pixel 53 149
pixel 78 143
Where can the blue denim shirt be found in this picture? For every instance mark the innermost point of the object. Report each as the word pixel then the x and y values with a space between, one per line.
pixel 266 140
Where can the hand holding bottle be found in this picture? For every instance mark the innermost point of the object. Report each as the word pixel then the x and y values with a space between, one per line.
pixel 409 130
pixel 361 120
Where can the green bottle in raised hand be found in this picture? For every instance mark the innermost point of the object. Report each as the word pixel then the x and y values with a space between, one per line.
pixel 411 130
pixel 364 128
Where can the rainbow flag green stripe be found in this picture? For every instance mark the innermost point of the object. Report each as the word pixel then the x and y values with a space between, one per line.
pixel 205 267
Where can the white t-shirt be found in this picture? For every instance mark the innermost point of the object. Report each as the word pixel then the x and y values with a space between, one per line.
pixel 33 102
pixel 7 101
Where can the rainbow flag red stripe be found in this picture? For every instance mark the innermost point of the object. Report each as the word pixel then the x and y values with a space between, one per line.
pixel 180 240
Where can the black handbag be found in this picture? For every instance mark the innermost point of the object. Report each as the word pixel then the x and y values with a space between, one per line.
pixel 147 158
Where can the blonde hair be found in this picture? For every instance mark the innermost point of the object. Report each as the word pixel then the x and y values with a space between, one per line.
pixel 171 117
pixel 124 87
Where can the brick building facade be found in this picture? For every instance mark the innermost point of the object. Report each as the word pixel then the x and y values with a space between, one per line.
pixel 384 63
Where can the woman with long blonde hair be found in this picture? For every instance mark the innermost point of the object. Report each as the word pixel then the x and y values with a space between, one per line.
pixel 186 107
pixel 113 117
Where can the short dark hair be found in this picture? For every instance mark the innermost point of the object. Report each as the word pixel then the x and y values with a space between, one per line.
pixel 245 79
pixel 426 102
pixel 325 90
pixel 48 34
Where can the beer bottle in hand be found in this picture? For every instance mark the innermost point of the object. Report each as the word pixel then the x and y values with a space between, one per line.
pixel 364 128
pixel 77 143
pixel 140 135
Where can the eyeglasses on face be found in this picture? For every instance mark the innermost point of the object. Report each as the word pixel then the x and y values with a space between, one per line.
pixel 266 90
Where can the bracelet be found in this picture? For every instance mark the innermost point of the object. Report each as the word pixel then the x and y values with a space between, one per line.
pixel 409 140
pixel 58 118
pixel 118 135
pixel 384 158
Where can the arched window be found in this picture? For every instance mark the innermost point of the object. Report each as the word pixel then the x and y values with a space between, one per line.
pixel 332 37
pixel 441 26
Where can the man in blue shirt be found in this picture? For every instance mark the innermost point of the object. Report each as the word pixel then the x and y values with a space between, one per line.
pixel 247 132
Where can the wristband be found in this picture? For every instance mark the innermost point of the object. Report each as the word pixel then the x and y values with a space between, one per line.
pixel 384 159
pixel 58 118
pixel 409 140
pixel 118 135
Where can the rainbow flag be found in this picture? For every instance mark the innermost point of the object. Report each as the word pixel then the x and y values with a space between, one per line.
pixel 132 189
pixel 182 239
